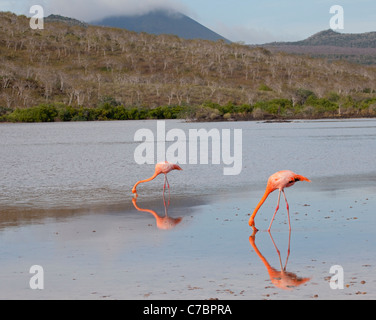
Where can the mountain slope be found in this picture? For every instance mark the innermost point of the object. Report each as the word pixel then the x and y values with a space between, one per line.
pixel 162 22
pixel 76 67
pixel 332 38
pixel 358 48
pixel 66 20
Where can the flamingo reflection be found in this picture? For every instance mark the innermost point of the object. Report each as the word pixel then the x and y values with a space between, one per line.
pixel 165 222
pixel 281 279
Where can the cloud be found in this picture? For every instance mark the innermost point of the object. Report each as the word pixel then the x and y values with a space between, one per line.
pixel 89 10
pixel 21 7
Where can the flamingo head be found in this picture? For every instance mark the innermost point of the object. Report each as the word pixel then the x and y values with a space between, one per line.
pixel 301 178
pixel 176 167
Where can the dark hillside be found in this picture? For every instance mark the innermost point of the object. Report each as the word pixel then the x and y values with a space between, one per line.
pixel 162 22
pixel 358 48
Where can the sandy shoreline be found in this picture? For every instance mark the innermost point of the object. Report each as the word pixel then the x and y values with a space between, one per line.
pixel 120 253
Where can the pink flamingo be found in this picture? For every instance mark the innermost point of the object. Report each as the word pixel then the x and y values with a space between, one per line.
pixel 162 167
pixel 279 180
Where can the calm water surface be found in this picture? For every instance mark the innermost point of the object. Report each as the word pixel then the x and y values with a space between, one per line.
pixel 54 177
pixel 75 164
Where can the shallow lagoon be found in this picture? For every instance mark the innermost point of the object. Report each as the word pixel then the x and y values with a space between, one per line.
pixel 66 204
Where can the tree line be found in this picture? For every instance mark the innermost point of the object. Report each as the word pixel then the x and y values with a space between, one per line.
pixel 312 107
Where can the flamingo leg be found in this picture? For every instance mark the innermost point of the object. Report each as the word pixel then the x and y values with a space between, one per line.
pixel 276 209
pixel 288 251
pixel 164 188
pixel 279 253
pixel 287 207
pixel 164 185
pixel 168 186
pixel 276 248
pixel 166 205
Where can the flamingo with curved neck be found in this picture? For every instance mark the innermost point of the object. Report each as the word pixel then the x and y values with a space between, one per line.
pixel 160 168
pixel 278 181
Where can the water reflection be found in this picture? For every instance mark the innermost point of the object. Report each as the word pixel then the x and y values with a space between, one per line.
pixel 281 279
pixel 163 222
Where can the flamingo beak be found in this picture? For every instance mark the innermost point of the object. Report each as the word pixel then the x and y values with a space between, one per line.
pixel 301 178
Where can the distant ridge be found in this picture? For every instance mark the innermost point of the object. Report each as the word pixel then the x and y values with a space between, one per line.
pixel 66 20
pixel 162 22
pixel 353 47
pixel 332 38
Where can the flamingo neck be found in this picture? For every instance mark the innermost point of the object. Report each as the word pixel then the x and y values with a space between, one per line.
pixel 146 180
pixel 265 196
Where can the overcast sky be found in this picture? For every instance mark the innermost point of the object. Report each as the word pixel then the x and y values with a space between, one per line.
pixel 251 21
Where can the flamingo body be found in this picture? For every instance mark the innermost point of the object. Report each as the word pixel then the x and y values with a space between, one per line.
pixel 278 181
pixel 160 168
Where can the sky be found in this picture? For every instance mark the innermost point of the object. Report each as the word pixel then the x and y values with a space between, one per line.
pixel 249 21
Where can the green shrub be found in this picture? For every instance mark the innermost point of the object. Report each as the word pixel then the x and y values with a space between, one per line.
pixel 109 109
pixel 120 113
pixel 67 113
pixel 41 113
pixel 264 87
pixel 105 112
pixel 244 108
pixel 303 94
pixel 365 104
pixel 274 107
pixel 334 97
pixel 322 106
